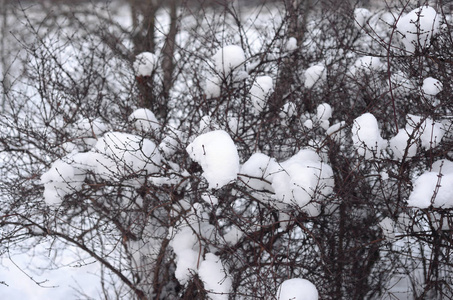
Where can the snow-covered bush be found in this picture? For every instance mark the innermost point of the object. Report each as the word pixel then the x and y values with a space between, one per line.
pixel 227 152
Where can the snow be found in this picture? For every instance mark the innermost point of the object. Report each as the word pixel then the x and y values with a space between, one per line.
pixel 256 172
pixel 365 65
pixel 430 188
pixel 324 111
pixel 124 154
pixel 89 130
pixel 427 130
pixel 336 131
pixel 186 264
pixel 366 136
pixel 215 278
pixel 297 289
pixel 288 110
pixel 431 86
pixel 314 75
pixel 443 166
pixel 361 16
pixel 144 120
pixel 217 154
pixel 212 87
pixel 400 142
pixel 387 226
pixel 61 179
pixel 145 63
pixel 228 59
pixel 301 179
pixel 418 27
pixel 260 92
pixel 291 44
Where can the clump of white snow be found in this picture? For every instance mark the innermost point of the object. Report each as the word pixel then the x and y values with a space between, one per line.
pixel 427 130
pixel 366 136
pixel 432 188
pixel 217 154
pixel 144 120
pixel 291 44
pixel 418 27
pixel 61 179
pixel 443 166
pixel 145 63
pixel 260 92
pixel 431 86
pixel 288 110
pixel 361 16
pixel 401 143
pixel 314 75
pixel 228 59
pixel 257 172
pixel 301 179
pixel 122 154
pixel 387 226
pixel 365 65
pixel 323 114
pixel 336 131
pixel 297 289
pixel 215 278
pixel 89 130
pixel 212 87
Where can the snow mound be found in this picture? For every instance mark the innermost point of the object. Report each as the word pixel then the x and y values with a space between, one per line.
pixel 361 16
pixel 432 188
pixel 145 63
pixel 144 120
pixel 366 136
pixel 212 87
pixel 291 44
pixel 400 142
pixel 215 278
pixel 61 179
pixel 260 92
pixel 297 289
pixel 257 172
pixel 365 65
pixel 217 154
pixel 427 130
pixel 314 74
pixel 122 154
pixel 89 130
pixel 431 86
pixel 228 59
pixel 418 27
pixel 301 179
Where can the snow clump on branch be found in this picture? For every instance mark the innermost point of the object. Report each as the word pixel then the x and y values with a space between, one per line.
pixel 297 289
pixel 217 154
pixel 145 63
pixel 418 27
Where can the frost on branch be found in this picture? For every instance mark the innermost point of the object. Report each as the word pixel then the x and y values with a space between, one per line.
pixel 217 154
